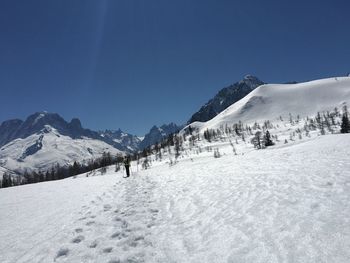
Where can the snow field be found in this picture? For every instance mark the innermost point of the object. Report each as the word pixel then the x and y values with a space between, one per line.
pixel 287 203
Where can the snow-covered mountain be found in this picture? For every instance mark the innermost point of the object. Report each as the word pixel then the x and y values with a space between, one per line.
pixel 225 98
pixel 272 101
pixel 132 142
pixel 45 139
pixel 42 150
pixel 15 129
pixel 156 134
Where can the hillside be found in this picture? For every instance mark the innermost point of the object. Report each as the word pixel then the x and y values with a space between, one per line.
pixel 270 101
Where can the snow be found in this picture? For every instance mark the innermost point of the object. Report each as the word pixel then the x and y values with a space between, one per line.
pixel 288 203
pixel 270 101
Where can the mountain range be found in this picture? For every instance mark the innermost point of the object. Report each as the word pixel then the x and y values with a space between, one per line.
pixel 45 139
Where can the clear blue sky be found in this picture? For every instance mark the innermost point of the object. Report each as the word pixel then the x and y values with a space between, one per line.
pixel 132 64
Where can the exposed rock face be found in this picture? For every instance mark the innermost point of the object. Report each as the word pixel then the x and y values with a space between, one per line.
pixel 156 134
pixel 225 98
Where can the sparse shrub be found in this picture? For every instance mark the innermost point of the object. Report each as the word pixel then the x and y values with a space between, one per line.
pixel 217 153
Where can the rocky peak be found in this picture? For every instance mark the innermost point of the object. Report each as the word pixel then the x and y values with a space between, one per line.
pixel 225 98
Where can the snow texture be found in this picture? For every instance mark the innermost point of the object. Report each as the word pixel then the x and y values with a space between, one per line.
pixel 288 203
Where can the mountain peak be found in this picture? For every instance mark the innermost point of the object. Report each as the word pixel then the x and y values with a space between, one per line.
pixel 251 80
pixel 225 98
pixel 248 76
pixel 156 134
pixel 75 124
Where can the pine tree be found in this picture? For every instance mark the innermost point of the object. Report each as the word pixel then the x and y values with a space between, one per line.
pixel 177 146
pixel 267 139
pixel 256 141
pixel 6 180
pixel 345 125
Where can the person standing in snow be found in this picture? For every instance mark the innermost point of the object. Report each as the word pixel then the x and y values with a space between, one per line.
pixel 127 165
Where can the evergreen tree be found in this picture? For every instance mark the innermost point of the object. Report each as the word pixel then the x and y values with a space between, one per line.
pixel 6 180
pixel 345 125
pixel 177 146
pixel 256 141
pixel 74 169
pixel 267 139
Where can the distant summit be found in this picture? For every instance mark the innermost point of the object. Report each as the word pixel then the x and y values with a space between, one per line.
pixel 225 98
pixel 40 122
pixel 156 134
pixel 131 142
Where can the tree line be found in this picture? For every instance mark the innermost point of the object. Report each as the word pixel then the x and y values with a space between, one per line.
pixel 58 172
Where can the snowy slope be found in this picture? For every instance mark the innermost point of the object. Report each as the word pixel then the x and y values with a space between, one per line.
pixel 287 203
pixel 48 147
pixel 270 101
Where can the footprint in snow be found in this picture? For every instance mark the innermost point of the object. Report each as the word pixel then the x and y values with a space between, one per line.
pixel 150 225
pixel 62 252
pixel 107 250
pixel 154 211
pixel 124 224
pixel 90 223
pixel 115 235
pixel 93 244
pixel 78 239
pixel 119 235
pixel 78 230
pixel 107 208
pixel 117 219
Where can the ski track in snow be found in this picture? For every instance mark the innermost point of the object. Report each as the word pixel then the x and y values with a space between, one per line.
pixel 287 204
